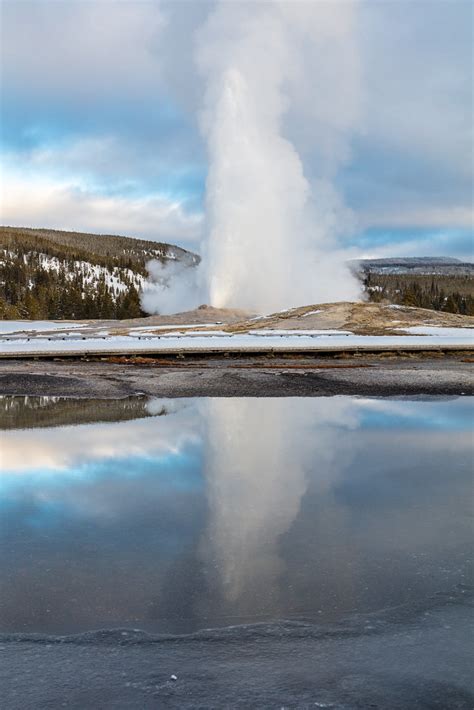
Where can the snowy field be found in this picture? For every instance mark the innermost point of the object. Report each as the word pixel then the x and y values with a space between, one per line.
pixel 21 326
pixel 25 338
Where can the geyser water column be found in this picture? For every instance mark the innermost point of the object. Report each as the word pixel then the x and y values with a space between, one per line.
pixel 271 239
pixel 256 194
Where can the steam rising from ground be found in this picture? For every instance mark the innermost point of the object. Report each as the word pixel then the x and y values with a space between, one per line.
pixel 278 75
pixel 171 287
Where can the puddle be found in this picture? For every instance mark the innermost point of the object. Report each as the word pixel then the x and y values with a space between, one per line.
pixel 172 516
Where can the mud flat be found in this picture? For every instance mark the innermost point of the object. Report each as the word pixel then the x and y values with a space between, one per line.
pixel 386 374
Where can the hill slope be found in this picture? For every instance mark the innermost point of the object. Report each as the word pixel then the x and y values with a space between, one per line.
pixel 50 274
pixel 437 283
pixel 56 274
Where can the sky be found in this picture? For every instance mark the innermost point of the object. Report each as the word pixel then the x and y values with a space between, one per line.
pixel 102 110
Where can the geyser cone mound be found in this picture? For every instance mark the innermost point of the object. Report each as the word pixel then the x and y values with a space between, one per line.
pixel 359 318
pixel 204 314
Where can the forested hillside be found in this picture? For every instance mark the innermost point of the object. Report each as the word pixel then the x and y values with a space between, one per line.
pixel 451 294
pixel 48 274
pixel 53 274
pixel 440 284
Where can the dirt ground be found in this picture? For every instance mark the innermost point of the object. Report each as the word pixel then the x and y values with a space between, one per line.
pixel 375 376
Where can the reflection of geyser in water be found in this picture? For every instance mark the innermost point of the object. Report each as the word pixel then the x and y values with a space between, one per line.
pixel 259 452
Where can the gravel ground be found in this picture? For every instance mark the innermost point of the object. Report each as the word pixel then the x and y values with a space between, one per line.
pixel 241 377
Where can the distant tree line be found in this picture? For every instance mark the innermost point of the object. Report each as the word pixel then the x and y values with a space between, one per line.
pixel 451 294
pixel 107 250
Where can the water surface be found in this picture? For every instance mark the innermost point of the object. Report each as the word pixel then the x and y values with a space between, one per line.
pixel 177 515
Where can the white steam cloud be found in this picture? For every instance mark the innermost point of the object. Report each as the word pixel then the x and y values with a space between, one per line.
pixel 277 75
pixel 172 287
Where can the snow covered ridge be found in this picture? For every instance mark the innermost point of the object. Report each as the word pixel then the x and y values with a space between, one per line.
pixel 116 279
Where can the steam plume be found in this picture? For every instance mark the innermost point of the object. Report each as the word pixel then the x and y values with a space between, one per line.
pixel 276 71
pixel 171 288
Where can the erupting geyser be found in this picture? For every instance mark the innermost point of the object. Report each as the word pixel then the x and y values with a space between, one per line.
pixel 276 71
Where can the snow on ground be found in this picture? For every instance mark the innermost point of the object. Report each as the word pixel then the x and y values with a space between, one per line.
pixel 172 326
pixel 116 278
pixel 178 334
pixel 311 313
pixel 17 337
pixel 438 330
pixel 20 326
pixel 221 342
pixel 276 332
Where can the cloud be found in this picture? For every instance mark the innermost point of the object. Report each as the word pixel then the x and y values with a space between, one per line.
pixel 414 241
pixel 53 451
pixel 425 216
pixel 412 162
pixel 419 80
pixel 108 95
pixel 108 163
pixel 39 202
pixel 81 49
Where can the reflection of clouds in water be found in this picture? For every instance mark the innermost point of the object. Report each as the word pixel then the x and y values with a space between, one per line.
pixel 258 455
pixel 101 553
pixel 299 504
pixel 442 413
pixel 99 538
pixel 61 448
pixel 263 456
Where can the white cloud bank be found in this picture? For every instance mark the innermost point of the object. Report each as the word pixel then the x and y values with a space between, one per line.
pixel 58 204
pixel 412 158
pixel 82 49
pixel 454 216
